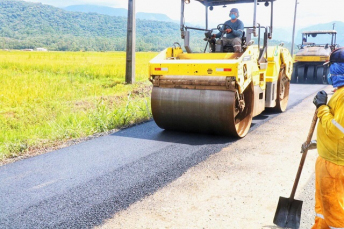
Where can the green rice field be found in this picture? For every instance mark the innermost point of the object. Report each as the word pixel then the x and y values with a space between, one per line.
pixel 47 98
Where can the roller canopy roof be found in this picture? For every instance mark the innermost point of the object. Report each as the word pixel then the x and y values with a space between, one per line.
pixel 225 2
pixel 321 32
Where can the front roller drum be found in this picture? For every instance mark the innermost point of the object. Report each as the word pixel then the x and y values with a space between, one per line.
pixel 203 111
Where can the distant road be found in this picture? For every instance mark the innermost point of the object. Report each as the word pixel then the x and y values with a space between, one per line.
pixel 82 185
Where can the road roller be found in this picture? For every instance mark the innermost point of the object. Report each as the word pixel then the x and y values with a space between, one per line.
pixel 314 51
pixel 219 91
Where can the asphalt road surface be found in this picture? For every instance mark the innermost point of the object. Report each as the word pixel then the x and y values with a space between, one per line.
pixel 83 185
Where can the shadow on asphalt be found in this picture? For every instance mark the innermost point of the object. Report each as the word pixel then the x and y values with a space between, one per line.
pixel 271 227
pixel 150 131
pixel 261 117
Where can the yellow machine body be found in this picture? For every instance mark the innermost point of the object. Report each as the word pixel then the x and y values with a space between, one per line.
pixel 242 67
pixel 174 69
pixel 311 58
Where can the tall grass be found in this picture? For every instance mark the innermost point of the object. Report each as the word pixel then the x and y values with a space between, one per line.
pixel 49 97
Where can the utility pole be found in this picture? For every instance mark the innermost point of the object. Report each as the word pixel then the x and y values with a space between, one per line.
pixel 292 41
pixel 131 40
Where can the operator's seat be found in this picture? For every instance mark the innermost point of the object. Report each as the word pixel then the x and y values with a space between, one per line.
pixel 230 48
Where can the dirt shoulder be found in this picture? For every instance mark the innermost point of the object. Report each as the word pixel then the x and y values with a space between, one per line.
pixel 238 187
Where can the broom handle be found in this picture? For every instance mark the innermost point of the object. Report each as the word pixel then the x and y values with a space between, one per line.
pixel 304 154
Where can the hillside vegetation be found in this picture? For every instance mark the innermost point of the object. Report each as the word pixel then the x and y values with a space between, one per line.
pixel 27 25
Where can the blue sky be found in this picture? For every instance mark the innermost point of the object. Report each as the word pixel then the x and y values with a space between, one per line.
pixel 309 12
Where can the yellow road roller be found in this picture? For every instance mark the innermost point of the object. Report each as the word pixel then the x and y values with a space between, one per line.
pixel 219 91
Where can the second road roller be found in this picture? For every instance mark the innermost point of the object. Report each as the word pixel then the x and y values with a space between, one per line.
pixel 309 60
pixel 219 91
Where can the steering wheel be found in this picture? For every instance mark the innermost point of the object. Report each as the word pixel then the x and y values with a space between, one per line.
pixel 223 27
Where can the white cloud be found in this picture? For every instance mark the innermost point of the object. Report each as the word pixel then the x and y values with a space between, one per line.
pixel 312 12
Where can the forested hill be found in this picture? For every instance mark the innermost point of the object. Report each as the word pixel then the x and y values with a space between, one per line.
pixel 26 25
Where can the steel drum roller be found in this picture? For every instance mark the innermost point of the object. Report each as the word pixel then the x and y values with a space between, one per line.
pixel 201 111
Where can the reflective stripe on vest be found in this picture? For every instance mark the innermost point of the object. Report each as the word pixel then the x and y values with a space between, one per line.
pixel 338 125
pixel 321 216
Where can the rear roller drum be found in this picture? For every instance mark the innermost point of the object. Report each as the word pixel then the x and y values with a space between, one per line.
pixel 243 112
pixel 283 86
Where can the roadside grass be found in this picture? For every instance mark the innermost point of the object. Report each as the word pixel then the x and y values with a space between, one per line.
pixel 50 97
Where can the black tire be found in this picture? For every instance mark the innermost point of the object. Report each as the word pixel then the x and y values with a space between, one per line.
pixel 294 76
pixel 320 75
pixel 326 71
pixel 301 74
pixel 310 75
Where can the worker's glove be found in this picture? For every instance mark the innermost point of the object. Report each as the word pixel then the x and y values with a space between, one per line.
pixel 213 36
pixel 320 99
pixel 305 147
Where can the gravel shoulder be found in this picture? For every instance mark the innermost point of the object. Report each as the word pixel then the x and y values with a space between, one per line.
pixel 238 187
